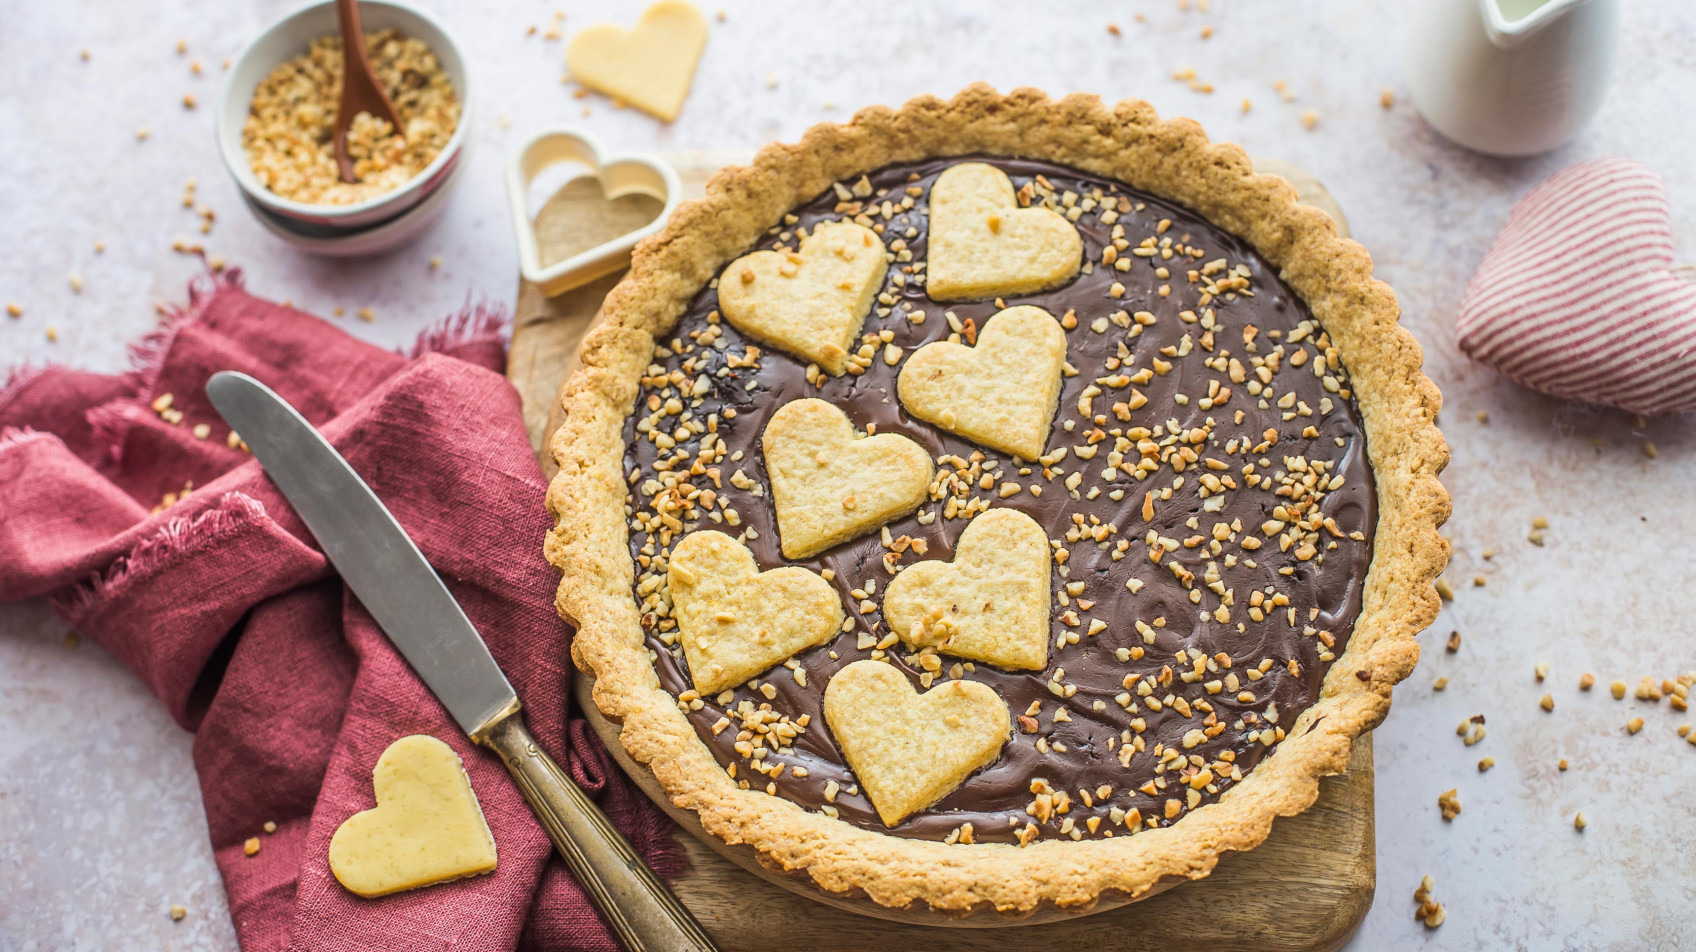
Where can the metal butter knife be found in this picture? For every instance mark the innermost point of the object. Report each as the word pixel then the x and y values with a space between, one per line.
pixel 378 560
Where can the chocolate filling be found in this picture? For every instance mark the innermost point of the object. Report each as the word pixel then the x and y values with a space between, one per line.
pixel 1323 549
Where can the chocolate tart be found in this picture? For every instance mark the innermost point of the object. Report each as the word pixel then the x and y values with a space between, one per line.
pixel 807 456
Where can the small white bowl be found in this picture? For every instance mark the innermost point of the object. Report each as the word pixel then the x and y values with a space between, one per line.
pixel 289 37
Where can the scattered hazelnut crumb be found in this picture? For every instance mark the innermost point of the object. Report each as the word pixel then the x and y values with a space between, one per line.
pixel 1247 105
pixel 1547 702
pixel 1483 416
pixel 1430 911
pixel 182 47
pixel 142 132
pixel 1439 684
pixel 1453 644
pixel 75 281
pixel 1586 681
pixel 99 247
pixel 1618 690
pixel 1542 670
pixel 1634 725
pixel 1578 821
pixel 435 262
pixel 1649 450
pixel 1449 803
pixel 1445 590
pixel 251 847
pixel 178 912
pixel 270 826
pixel 1479 581
pixel 52 333
pixel 1207 31
pixel 1540 522
pixel 188 100
pixel 85 55
pixel 1113 29
pixel 194 67
pixel 72 639
pixel 1562 765
pixel 366 314
pixel 771 80
pixel 1486 764
pixel 1386 99
pixel 202 430
pixel 14 309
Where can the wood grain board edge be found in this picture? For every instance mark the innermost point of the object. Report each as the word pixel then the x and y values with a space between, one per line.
pixel 1305 889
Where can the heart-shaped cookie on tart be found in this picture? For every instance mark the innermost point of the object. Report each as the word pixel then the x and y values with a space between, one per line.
pixel 1000 393
pixel 811 301
pixel 830 484
pixel 910 749
pixel 989 604
pixel 735 620
pixel 983 244
pixel 1133 591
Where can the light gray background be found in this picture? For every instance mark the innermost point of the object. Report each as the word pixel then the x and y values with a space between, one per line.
pixel 100 824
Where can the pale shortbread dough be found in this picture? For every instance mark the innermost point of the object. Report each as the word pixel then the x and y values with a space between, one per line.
pixel 649 67
pixel 426 827
pixel 910 749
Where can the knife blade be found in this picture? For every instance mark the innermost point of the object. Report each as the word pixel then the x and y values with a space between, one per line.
pixel 397 585
pixel 373 554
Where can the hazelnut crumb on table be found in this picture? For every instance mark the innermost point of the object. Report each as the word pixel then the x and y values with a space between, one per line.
pixel 1449 803
pixel 290 126
pixel 1430 911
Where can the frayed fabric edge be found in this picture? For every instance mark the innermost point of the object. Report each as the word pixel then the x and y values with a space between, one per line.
pixel 111 420
pixel 18 380
pixel 232 512
pixel 13 436
pixel 476 322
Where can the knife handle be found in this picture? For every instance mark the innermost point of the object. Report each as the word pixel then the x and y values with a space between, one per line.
pixel 639 909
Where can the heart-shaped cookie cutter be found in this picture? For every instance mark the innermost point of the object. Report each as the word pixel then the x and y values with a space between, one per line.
pixel 619 175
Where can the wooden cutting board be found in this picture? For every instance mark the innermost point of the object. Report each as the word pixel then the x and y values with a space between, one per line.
pixel 1305 889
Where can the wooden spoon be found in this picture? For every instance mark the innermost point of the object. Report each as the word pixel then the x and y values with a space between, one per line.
pixel 360 90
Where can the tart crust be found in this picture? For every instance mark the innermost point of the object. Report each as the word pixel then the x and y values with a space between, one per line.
pixel 1172 159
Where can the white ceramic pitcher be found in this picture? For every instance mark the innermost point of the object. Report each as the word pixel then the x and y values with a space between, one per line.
pixel 1510 77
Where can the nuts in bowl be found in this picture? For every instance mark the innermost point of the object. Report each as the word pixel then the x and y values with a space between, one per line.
pixel 277 115
pixel 290 125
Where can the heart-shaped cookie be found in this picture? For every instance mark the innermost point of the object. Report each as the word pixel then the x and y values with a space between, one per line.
pixel 736 621
pixel 649 67
pixel 982 244
pixel 1001 393
pixel 908 749
pixel 809 302
pixel 989 604
pixel 426 827
pixel 1575 297
pixel 829 484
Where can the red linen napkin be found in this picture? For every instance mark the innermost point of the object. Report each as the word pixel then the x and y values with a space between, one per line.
pixel 222 604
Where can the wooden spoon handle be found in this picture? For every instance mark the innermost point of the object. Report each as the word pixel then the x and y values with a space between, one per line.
pixel 360 90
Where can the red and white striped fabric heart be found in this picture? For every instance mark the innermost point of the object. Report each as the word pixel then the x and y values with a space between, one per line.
pixel 1576 297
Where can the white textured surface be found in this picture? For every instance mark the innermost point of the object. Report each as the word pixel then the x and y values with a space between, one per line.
pixel 100 829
